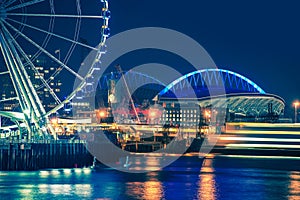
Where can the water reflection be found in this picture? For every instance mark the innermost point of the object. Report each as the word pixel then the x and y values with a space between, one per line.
pixel 294 187
pixel 56 183
pixel 148 190
pixel 25 191
pixel 218 178
pixel 207 182
pixel 81 190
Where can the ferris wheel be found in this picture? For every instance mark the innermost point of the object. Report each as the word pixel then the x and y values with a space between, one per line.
pixel 43 44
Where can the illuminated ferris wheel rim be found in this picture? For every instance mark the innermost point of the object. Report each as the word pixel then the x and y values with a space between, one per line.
pixel 33 25
pixel 7 10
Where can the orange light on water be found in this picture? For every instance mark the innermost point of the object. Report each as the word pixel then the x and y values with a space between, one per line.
pixel 296 104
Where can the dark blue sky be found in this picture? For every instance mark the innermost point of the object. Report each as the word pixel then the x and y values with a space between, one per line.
pixel 258 39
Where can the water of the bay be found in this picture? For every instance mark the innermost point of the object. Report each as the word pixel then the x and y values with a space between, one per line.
pixel 215 178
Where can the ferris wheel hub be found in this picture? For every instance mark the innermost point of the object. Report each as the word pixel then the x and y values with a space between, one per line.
pixel 27 28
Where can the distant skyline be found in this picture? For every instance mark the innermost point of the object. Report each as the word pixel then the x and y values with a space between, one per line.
pixel 258 39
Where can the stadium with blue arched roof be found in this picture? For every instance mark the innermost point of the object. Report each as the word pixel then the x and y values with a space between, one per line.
pixel 213 86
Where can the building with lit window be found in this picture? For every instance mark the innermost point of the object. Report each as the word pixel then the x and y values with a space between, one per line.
pixel 176 114
pixel 45 68
pixel 200 97
pixel 7 92
pixel 216 93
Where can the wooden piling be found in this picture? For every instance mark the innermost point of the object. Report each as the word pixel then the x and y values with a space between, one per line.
pixel 34 156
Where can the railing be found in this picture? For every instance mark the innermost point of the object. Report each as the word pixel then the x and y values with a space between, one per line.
pixel 61 141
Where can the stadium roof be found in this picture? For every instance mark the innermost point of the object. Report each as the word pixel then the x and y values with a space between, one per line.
pixel 218 86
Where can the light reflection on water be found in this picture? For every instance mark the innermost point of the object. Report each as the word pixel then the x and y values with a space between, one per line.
pixel 294 187
pixel 207 185
pixel 151 189
pixel 218 178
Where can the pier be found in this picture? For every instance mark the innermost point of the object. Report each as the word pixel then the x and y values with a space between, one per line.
pixel 42 155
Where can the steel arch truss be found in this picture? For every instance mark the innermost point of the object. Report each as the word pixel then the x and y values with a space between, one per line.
pixel 199 81
pixel 134 80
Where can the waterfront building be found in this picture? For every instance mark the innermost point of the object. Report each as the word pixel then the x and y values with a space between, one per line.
pixel 219 93
pixel 200 97
pixel 8 102
pixel 46 69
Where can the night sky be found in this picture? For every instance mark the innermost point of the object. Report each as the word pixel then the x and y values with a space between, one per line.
pixel 258 39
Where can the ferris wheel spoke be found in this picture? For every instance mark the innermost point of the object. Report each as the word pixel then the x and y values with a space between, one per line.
pixel 76 35
pixel 71 96
pixel 3 73
pixel 24 55
pixel 55 15
pixel 55 35
pixel 9 99
pixel 21 22
pixel 22 5
pixel 9 2
pixel 23 33
pixel 25 86
pixel 44 51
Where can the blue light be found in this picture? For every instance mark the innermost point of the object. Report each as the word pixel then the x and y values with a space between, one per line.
pixel 259 89
pixel 171 85
pixel 106 32
pixel 106 14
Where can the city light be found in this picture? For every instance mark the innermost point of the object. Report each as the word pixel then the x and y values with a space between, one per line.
pixel 207 114
pixel 102 113
pixel 54 121
pixel 296 104
pixel 152 114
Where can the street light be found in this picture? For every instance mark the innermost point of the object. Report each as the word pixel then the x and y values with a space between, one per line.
pixel 296 104
pixel 101 114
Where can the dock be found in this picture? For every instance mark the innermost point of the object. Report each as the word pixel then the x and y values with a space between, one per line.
pixel 18 156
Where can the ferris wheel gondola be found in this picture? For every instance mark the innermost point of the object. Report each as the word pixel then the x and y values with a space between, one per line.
pixel 44 43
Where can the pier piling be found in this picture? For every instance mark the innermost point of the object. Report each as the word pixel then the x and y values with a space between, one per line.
pixel 42 155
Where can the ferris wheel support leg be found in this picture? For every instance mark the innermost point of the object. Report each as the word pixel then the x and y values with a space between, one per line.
pixel 29 101
pixel 7 60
